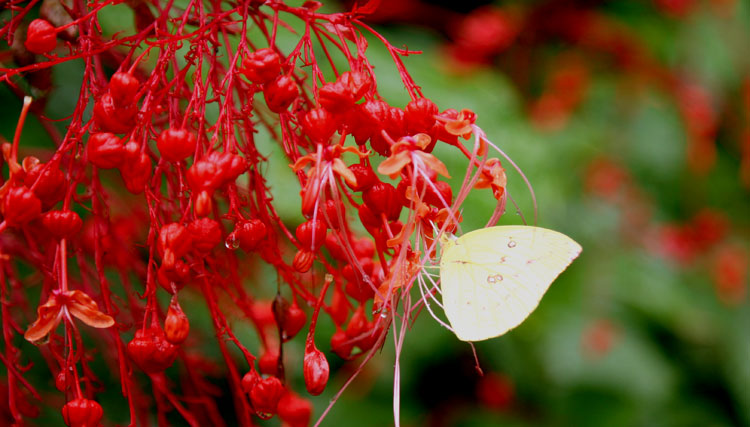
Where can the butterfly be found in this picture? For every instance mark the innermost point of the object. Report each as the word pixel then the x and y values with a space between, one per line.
pixel 492 279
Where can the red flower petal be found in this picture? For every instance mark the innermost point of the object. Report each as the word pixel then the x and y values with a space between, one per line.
pixel 48 317
pixel 84 308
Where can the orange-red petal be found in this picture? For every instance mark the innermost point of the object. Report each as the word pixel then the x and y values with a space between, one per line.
pixel 84 308
pixel 48 317
pixel 340 168
pixel 392 165
pixel 433 163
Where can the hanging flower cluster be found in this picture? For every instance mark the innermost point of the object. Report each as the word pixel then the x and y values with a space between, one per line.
pixel 158 188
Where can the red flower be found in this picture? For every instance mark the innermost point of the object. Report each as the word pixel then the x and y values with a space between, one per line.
pixel 62 305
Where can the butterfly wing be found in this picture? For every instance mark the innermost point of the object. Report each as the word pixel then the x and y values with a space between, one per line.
pixel 493 278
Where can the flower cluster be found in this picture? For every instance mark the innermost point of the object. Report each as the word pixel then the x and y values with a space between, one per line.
pixel 158 188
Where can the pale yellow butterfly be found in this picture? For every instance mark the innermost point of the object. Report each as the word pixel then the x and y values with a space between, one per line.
pixel 493 278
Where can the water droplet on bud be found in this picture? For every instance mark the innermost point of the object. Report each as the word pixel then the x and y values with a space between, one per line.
pixel 232 242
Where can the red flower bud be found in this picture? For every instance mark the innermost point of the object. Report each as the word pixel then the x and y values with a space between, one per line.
pixel 357 324
pixel 123 87
pixel 105 150
pixel 250 234
pixel 136 172
pixel 280 93
pixel 293 321
pixel 268 363
pixel 319 125
pixel 303 260
pixel 294 410
pixel 249 380
pixel 205 233
pixel 315 369
pixel 261 66
pixel 341 345
pixel 82 413
pixel 174 242
pixel 62 224
pixel 173 278
pixel 176 144
pixel 311 234
pixel 420 115
pixel 176 325
pixel 47 183
pixel 114 118
pixel 265 396
pixel 21 206
pixel 367 119
pixel 381 198
pixel 151 351
pixel 366 178
pixel 339 307
pixel 41 36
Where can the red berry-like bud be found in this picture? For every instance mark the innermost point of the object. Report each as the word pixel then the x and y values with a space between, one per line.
pixel 280 93
pixel 250 234
pixel 265 396
pixel 381 198
pixel 315 369
pixel 303 261
pixel 294 319
pixel 176 144
pixel 111 117
pixel 367 119
pixel 174 278
pixel 339 307
pixel 136 172
pixel 294 410
pixel 41 36
pixel 366 178
pixel 206 234
pixel 176 325
pixel 174 241
pixel 268 363
pixel 203 203
pixel 261 66
pixel 420 115
pixel 21 206
pixel 311 234
pixel 249 380
pixel 319 125
pixel 357 324
pixel 62 224
pixel 46 181
pixel 82 413
pixel 105 150
pixel 356 83
pixel 335 97
pixel 123 87
pixel 151 351
pixel 341 345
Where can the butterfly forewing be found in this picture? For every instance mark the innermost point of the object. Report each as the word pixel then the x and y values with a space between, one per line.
pixel 493 278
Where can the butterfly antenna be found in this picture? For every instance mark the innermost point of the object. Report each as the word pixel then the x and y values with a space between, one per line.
pixel 515 166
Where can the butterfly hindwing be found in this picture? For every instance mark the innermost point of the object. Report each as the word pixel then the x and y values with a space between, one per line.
pixel 493 278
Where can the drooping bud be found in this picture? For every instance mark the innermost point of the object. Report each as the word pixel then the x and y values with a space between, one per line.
pixel 105 150
pixel 280 93
pixel 176 144
pixel 62 224
pixel 82 413
pixel 41 36
pixel 21 206
pixel 294 410
pixel 265 396
pixel 176 325
pixel 316 370
pixel 261 66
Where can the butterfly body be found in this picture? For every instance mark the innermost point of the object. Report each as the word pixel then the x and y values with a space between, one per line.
pixel 493 278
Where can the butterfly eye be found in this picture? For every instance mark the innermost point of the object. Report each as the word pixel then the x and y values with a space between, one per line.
pixel 512 244
pixel 497 278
